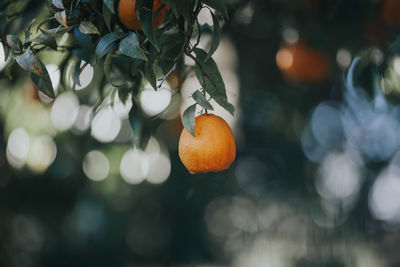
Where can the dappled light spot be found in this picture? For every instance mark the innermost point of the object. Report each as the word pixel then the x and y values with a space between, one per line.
pixel 105 125
pixel 96 166
pixel 120 108
pixel 154 102
pixel 3 61
pixel 384 201
pixel 343 58
pixel 160 168
pixel 290 35
pixel 82 122
pixel 284 59
pixel 42 153
pixel 18 148
pixel 326 125
pixel 64 111
pixel 85 77
pixel 135 166
pixel 339 177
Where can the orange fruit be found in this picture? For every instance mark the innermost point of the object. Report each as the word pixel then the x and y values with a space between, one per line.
pixel 389 12
pixel 302 63
pixel 376 33
pixel 128 15
pixel 213 147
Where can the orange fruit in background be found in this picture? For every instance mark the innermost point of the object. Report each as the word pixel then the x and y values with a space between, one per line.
pixel 128 16
pixel 389 12
pixel 213 147
pixel 302 63
pixel 376 33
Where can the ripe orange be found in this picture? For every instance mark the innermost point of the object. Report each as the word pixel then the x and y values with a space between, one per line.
pixel 212 149
pixel 389 12
pixel 302 63
pixel 128 16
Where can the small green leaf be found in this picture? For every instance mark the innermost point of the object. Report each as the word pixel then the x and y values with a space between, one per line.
pixel 54 32
pixel 150 75
pixel 216 88
pixel 38 27
pixel 188 119
pixel 145 16
pixel 87 27
pixel 46 40
pixel 223 102
pixel 28 31
pixel 219 6
pixel 58 4
pixel 61 17
pixel 76 73
pixel 43 82
pixel 110 5
pixel 183 8
pixel 129 46
pixel 29 62
pixel 107 16
pixel 201 100
pixel 215 38
pixel 107 42
pixel 107 65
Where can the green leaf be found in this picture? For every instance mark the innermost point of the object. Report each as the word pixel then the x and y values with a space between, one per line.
pixel 14 42
pixel 216 88
pixel 58 4
pixel 43 82
pixel 223 102
pixel 29 62
pixel 107 16
pixel 129 46
pixel 93 5
pixel 76 73
pixel 38 27
pixel 61 17
pixel 215 38
pixel 54 32
pixel 188 119
pixel 46 40
pixel 110 5
pixel 28 31
pixel 183 8
pixel 107 42
pixel 201 100
pixel 145 16
pixel 107 65
pixel 87 27
pixel 150 75
pixel 219 6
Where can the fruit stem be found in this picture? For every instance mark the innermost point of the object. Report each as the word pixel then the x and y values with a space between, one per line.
pixel 204 93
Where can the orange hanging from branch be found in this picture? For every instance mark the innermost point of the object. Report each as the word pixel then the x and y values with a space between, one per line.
pixel 213 147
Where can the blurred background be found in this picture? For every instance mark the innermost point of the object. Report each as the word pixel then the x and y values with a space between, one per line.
pixel 316 181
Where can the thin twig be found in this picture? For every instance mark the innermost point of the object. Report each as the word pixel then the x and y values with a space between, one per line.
pixel 166 76
pixel 186 44
pixel 198 36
